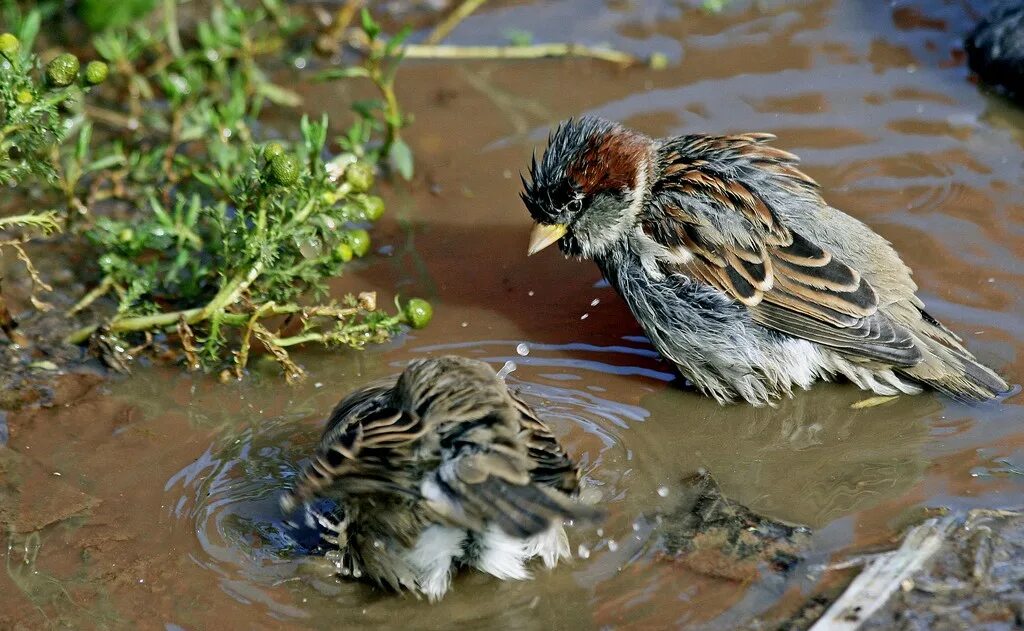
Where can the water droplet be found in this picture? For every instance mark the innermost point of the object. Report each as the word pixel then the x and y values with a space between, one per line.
pixel 663 491
pixel 600 532
pixel 583 552
pixel 465 324
pixel 529 293
pixel 522 349
pixel 612 545
pixel 507 369
pixel 300 62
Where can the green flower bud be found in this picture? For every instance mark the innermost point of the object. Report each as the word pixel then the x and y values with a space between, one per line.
pixel 284 170
pixel 24 97
pixel 271 150
pixel 96 72
pixel 342 252
pixel 359 240
pixel 418 313
pixel 126 235
pixel 359 176
pixel 9 45
pixel 62 70
pixel 373 207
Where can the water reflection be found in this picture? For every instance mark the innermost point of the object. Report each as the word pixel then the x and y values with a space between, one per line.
pixel 811 460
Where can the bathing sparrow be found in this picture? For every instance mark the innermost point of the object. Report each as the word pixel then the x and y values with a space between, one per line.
pixel 440 468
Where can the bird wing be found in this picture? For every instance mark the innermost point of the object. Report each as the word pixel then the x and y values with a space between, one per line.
pixel 505 468
pixel 715 208
pixel 549 464
pixel 362 443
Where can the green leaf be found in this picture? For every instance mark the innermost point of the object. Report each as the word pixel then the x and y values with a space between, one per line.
pixel 82 146
pixel 400 158
pixel 370 26
pixel 397 40
pixel 29 31
pixel 100 15
pixel 278 95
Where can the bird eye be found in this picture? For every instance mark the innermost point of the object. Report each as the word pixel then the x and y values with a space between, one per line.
pixel 575 205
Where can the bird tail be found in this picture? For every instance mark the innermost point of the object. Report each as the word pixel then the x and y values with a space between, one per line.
pixel 478 490
pixel 951 369
pixel 527 510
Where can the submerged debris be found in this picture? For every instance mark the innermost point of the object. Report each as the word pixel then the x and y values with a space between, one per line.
pixel 954 572
pixel 714 536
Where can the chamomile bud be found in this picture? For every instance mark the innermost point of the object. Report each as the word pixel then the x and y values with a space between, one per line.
pixel 418 313
pixel 96 72
pixel 359 176
pixel 284 170
pixel 62 70
pixel 9 45
pixel 359 240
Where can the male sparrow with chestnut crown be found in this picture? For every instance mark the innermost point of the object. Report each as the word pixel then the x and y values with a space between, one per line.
pixel 737 269
pixel 438 468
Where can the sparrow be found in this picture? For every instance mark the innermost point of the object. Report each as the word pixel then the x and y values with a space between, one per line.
pixel 737 269
pixel 439 468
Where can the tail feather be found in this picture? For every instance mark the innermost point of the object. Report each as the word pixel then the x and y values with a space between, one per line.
pixel 519 510
pixel 951 369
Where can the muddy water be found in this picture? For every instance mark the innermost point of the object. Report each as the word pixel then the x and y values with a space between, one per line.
pixel 181 473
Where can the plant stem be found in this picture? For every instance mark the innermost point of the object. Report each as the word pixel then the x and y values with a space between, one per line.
pixel 447 25
pixel 330 40
pixel 191 316
pixel 171 24
pixel 105 285
pixel 533 51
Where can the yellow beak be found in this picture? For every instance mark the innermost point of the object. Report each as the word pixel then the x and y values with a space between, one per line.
pixel 543 236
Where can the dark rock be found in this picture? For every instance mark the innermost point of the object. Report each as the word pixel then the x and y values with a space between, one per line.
pixel 716 537
pixel 995 49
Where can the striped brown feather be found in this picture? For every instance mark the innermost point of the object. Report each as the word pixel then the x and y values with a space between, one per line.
pixel 789 282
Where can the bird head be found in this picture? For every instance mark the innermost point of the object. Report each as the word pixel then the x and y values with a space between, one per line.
pixel 586 190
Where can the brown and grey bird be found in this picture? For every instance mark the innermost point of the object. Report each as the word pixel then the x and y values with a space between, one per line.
pixel 440 468
pixel 738 270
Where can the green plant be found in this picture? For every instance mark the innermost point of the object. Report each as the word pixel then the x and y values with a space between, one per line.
pixel 248 257
pixel 380 65
pixel 36 117
pixel 200 229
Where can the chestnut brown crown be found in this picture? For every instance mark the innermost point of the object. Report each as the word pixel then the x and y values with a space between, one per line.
pixel 590 169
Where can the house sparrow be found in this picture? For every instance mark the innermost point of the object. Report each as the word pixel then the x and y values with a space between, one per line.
pixel 737 269
pixel 439 468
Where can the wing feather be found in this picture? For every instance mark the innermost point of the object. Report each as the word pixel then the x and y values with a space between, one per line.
pixel 743 248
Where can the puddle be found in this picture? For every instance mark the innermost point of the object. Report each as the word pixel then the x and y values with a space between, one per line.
pixel 186 533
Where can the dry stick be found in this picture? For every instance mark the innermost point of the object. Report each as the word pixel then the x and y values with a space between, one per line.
pixel 884 576
pixel 330 41
pixel 447 25
pixel 534 51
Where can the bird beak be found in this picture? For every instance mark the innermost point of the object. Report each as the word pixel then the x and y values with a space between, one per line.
pixel 543 236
